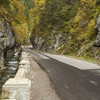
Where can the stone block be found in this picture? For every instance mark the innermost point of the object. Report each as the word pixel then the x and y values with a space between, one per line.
pixel 26 58
pixel 24 53
pixel 18 89
pixel 20 73
pixel 26 64
pixel 21 66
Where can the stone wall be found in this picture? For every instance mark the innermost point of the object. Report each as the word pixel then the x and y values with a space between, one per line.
pixel 18 88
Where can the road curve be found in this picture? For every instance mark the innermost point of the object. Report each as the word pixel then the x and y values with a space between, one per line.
pixel 70 83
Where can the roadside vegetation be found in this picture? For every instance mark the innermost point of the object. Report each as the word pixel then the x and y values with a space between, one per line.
pixel 16 12
pixel 75 20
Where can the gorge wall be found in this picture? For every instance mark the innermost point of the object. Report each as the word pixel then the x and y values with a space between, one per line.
pixel 7 41
pixel 7 33
pixel 69 27
pixel 15 24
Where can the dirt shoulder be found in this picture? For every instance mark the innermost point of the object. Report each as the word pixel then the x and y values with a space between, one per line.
pixel 42 88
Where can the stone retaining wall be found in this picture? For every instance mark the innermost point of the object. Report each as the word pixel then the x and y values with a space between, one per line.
pixel 18 88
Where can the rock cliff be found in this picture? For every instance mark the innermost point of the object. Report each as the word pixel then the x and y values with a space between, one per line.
pixel 7 40
pixel 97 41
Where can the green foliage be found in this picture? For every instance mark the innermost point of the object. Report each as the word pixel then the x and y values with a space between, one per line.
pixel 91 31
pixel 76 17
pixel 4 2
pixel 97 2
pixel 16 12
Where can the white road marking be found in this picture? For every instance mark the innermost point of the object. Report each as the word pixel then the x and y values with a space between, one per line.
pixel 93 82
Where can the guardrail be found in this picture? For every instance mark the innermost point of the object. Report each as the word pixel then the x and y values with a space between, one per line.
pixel 18 88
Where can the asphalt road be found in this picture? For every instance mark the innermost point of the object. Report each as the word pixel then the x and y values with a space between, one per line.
pixel 70 83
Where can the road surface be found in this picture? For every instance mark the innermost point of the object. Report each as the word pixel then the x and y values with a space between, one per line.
pixel 70 82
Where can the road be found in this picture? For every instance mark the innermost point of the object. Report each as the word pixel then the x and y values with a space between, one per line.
pixel 70 82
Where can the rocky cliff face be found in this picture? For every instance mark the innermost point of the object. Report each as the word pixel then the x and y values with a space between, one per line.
pixel 97 41
pixel 7 40
pixel 51 42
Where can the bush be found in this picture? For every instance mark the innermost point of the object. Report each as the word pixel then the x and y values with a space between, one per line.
pixel 4 2
pixel 97 2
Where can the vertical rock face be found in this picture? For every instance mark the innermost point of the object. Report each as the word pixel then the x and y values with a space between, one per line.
pixel 97 41
pixel 7 40
pixel 50 42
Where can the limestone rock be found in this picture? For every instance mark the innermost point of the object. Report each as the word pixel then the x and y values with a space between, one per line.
pixel 7 40
pixel 97 41
pixel 49 42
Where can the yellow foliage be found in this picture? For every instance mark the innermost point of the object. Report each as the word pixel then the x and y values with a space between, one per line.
pixel 72 30
pixel 80 15
pixel 20 7
pixel 91 31
pixel 39 2
pixel 19 21
pixel 91 24
pixel 77 19
pixel 89 2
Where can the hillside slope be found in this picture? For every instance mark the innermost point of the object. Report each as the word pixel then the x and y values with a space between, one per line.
pixel 66 27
